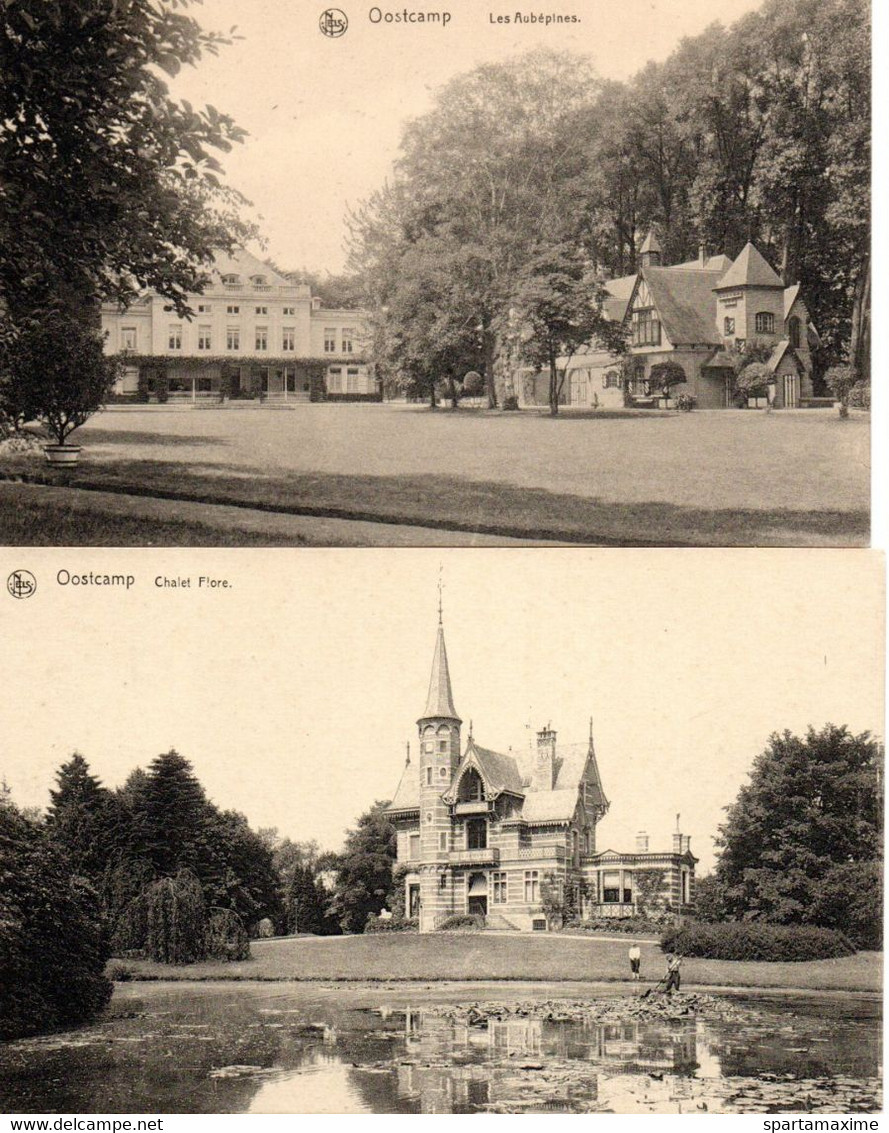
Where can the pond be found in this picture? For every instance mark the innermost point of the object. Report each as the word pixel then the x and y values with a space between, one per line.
pixel 402 1048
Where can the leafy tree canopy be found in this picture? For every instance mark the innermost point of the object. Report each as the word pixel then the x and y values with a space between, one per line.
pixel 812 804
pixel 364 869
pixel 109 184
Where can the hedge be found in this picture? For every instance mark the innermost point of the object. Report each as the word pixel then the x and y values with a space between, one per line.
pixel 468 921
pixel 391 924
pixel 749 940
pixel 629 925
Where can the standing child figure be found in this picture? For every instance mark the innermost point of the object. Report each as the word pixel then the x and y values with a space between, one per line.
pixel 635 956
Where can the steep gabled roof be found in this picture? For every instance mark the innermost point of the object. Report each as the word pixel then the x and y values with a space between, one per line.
pixel 407 796
pixel 750 269
pixel 549 806
pixel 790 297
pixel 499 772
pixel 685 303
pixel 620 292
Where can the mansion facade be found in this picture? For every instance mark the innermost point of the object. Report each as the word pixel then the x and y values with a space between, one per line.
pixel 693 314
pixel 483 832
pixel 255 334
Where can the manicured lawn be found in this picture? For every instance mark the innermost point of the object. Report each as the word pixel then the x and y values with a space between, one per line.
pixel 729 478
pixel 486 956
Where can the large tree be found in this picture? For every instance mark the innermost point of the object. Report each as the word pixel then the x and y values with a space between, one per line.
pixel 109 184
pixel 364 870
pixel 52 951
pixel 812 804
pixel 85 820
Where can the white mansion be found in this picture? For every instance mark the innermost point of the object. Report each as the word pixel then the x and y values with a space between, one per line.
pixel 254 334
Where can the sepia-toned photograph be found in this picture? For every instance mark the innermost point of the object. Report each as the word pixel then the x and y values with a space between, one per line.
pixel 581 273
pixel 522 831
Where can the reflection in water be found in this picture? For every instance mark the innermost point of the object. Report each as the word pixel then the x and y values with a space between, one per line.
pixel 284 1048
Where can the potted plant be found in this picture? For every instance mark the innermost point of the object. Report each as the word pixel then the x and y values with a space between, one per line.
pixel 55 372
pixel 754 382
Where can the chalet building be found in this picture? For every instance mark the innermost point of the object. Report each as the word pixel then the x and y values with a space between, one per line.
pixel 480 831
pixel 693 313
pixel 255 334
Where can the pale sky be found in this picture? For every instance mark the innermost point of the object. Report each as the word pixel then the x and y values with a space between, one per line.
pixel 294 692
pixel 325 115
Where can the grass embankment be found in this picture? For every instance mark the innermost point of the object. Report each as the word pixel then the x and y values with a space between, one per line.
pixel 490 956
pixel 695 479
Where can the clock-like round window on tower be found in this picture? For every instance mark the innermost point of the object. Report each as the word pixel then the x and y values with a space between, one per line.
pixel 443 771
pixel 428 815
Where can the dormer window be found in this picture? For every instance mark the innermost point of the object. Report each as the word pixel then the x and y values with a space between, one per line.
pixel 646 328
pixel 765 322
pixel 258 280
pixel 471 787
pixel 231 280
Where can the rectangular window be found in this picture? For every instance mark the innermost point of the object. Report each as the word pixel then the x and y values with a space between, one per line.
pixel 532 886
pixel 174 341
pixel 348 334
pixel 330 340
pixel 290 310
pixel 204 338
pixel 728 326
pixel 499 890
pixel 611 888
pixel 477 834
pixel 235 310
pixel 262 338
pixel 128 338
pixel 428 776
pixel 352 380
pixel 646 328
pixel 204 308
pixel 288 338
pixel 262 310
pixel 414 847
pixel 765 323
pixel 443 840
pixel 334 380
pixel 233 338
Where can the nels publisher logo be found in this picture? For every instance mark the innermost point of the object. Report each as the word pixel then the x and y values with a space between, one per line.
pixel 21 584
pixel 333 22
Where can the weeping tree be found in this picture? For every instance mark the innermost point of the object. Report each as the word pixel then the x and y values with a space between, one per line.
pixel 176 919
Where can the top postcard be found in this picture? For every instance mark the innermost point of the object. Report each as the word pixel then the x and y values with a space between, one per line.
pixel 464 273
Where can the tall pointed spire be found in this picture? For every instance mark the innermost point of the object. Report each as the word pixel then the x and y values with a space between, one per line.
pixel 440 701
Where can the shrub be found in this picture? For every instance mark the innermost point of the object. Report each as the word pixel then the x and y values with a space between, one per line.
pixel 841 380
pixel 754 940
pixel 686 402
pixel 56 371
pixel 226 938
pixel 473 384
pixel 468 922
pixel 665 375
pixel 119 973
pixel 859 396
pixel 391 924
pixel 511 402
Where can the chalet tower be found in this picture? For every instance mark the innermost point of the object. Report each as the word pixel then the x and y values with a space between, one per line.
pixel 439 737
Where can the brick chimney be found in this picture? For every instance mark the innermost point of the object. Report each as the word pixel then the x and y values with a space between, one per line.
pixel 703 255
pixel 544 765
pixel 642 842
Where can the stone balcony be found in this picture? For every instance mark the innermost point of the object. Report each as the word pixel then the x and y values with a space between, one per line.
pixel 488 856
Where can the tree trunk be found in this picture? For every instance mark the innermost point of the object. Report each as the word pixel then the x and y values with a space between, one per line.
pixel 489 344
pixel 452 391
pixel 553 387
pixel 859 344
pixel 432 402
